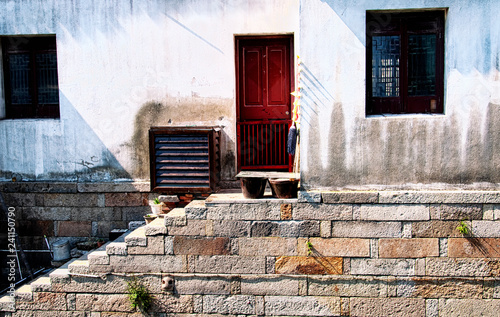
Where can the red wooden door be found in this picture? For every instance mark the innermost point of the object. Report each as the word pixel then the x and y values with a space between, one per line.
pixel 264 82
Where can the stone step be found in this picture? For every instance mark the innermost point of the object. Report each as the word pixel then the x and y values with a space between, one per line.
pixel 99 257
pixel 7 304
pixel 80 265
pixel 136 237
pixel 145 240
pixel 24 293
pixel 196 210
pixel 41 284
pixel 118 246
pixel 176 218
pixel 62 272
pixel 156 227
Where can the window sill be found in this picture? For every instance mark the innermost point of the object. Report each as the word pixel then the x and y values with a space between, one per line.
pixel 29 119
pixel 405 116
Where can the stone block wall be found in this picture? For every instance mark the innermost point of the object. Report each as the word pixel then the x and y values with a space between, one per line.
pixel 323 254
pixel 77 210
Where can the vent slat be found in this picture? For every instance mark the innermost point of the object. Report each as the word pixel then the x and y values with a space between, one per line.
pixel 181 148
pixel 181 159
pixel 185 174
pixel 185 161
pixel 181 154
pixel 184 181
pixel 182 168
pixel 182 139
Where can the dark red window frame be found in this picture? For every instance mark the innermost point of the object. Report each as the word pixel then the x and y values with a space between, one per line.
pixel 41 99
pixel 404 28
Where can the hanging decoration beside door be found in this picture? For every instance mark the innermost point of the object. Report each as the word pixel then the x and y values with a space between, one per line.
pixel 293 132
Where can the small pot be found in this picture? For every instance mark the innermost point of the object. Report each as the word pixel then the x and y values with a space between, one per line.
pixel 86 245
pixel 284 187
pixel 253 187
pixel 149 218
pixel 156 209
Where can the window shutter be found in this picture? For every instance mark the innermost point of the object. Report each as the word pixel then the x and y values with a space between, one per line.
pixel 184 159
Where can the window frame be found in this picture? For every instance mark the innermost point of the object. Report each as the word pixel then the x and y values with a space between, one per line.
pixel 404 24
pixel 31 45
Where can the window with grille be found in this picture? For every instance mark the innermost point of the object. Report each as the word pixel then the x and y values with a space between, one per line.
pixel 404 62
pixel 30 77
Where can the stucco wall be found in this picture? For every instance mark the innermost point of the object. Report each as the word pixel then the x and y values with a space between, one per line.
pixel 342 147
pixel 2 96
pixel 126 66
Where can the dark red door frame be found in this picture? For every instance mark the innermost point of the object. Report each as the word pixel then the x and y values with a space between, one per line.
pixel 270 105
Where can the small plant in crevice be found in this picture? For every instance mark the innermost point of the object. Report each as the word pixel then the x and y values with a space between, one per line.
pixel 138 295
pixel 463 228
pixel 309 246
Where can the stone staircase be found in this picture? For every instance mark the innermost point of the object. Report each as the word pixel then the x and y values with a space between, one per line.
pixel 300 257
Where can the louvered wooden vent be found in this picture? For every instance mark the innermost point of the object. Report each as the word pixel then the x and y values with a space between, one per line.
pixel 184 159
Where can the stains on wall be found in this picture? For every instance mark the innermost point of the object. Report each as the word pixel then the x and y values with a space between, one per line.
pixel 406 152
pixel 90 174
pixel 342 148
pixel 183 111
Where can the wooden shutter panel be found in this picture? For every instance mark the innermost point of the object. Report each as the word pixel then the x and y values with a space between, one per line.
pixel 184 159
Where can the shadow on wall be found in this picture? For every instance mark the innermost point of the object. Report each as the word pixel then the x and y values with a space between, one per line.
pixel 399 153
pixel 71 150
pixel 344 148
pixel 474 52
pixel 314 95
pixel 83 24
pixel 66 149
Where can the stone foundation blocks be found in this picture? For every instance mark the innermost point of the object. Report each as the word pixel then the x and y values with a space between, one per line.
pixel 232 304
pixel 270 285
pixel 316 211
pixel 408 248
pixel 463 267
pixel 383 267
pixel 201 246
pixel 362 253
pixel 474 247
pixel 366 229
pixel 402 307
pixel 268 246
pixel 302 306
pixel 348 286
pixel 340 247
pixel 394 212
pixel 308 265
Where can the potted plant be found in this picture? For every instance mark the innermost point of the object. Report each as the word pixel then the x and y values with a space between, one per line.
pixel 156 206
pixel 100 242
pixel 150 217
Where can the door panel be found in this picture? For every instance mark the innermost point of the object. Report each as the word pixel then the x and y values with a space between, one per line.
pixel 263 68
pixel 277 82
pixel 252 65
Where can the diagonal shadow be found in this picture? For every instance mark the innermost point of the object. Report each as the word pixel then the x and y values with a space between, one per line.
pixel 324 262
pixel 193 33
pixel 481 245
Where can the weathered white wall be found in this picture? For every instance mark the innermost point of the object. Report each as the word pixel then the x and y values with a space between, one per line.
pixel 343 148
pixel 2 96
pixel 125 66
